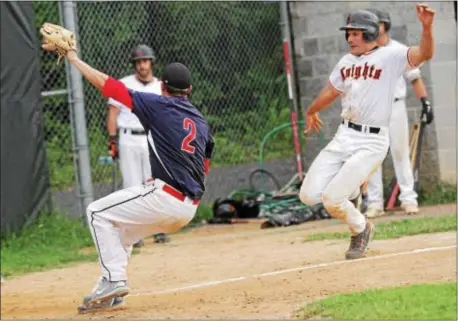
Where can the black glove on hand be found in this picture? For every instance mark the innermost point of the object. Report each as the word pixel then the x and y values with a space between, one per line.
pixel 113 147
pixel 427 110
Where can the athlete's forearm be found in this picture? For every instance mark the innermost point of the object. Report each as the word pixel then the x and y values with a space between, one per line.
pixel 326 97
pixel 419 88
pixel 425 51
pixel 95 77
pixel 427 43
pixel 111 121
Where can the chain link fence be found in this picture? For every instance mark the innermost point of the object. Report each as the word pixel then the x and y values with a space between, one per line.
pixel 56 110
pixel 233 49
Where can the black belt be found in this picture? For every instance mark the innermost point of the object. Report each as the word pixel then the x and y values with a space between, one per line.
pixel 133 131
pixel 372 130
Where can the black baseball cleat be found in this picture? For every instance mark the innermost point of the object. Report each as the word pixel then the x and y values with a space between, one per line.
pixel 161 238
pixel 139 244
pixel 359 243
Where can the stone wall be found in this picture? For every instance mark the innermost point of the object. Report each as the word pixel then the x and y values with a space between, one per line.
pixel 318 45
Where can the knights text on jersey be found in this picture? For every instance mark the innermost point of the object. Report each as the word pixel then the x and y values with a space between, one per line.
pixel 179 140
pixel 126 119
pixel 368 83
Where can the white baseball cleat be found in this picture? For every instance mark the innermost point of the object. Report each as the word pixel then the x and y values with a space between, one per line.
pixel 410 209
pixel 372 212
pixel 106 290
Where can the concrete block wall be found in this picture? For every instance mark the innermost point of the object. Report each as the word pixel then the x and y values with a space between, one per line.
pixel 443 88
pixel 318 45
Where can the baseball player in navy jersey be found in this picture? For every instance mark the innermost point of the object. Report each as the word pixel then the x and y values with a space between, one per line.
pixel 365 79
pixel 180 147
pixel 399 133
pixel 131 145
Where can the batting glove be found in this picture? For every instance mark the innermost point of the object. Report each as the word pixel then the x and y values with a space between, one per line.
pixel 427 110
pixel 113 147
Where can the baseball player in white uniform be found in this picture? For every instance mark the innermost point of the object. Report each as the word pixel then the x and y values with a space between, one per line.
pixel 131 145
pixel 365 79
pixel 399 133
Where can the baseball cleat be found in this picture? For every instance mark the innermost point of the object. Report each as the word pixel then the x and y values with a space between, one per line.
pixel 372 212
pixel 359 243
pixel 139 244
pixel 110 305
pixel 411 209
pixel 161 238
pixel 106 290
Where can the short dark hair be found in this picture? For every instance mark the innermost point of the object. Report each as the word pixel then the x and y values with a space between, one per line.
pixel 176 92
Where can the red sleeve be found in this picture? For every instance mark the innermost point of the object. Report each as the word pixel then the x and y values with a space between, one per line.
pixel 118 91
pixel 206 166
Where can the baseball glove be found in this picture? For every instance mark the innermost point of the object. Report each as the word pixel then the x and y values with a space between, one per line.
pixel 57 39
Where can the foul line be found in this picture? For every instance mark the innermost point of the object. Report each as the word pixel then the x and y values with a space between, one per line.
pixel 302 268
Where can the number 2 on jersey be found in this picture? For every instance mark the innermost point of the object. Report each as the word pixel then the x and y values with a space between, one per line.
pixel 190 126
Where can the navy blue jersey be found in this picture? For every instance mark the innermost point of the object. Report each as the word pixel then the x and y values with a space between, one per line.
pixel 179 140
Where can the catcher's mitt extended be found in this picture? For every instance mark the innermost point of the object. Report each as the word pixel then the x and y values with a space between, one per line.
pixel 57 39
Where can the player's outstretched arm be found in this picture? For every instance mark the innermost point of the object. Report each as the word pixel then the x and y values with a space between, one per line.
pixel 62 41
pixel 425 51
pixel 95 77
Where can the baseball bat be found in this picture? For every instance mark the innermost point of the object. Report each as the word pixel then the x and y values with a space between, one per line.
pixel 416 165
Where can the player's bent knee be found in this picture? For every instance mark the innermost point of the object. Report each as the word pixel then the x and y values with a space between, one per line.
pixel 176 226
pixel 328 199
pixel 91 208
pixel 309 197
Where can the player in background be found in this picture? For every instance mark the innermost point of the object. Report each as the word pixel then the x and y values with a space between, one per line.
pixel 399 133
pixel 365 79
pixel 180 146
pixel 131 145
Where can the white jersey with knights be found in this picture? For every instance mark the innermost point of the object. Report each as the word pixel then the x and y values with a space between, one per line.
pixel 368 83
pixel 409 75
pixel 127 119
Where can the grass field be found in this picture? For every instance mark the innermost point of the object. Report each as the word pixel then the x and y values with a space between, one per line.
pixel 400 228
pixel 52 241
pixel 415 302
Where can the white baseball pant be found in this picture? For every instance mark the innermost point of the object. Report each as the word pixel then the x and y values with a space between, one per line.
pixel 122 218
pixel 133 158
pixel 339 170
pixel 399 149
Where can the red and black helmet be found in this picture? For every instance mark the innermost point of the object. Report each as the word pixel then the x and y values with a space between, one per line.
pixel 363 20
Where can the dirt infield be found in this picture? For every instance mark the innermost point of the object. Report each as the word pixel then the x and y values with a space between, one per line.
pixel 239 272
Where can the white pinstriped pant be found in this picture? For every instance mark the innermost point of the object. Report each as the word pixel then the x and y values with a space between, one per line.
pixel 121 219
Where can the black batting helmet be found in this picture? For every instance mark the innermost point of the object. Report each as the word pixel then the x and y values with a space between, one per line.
pixel 363 20
pixel 142 52
pixel 382 16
